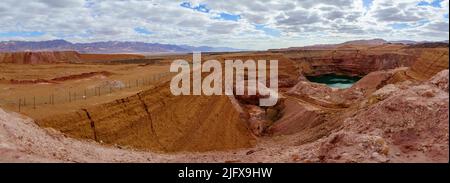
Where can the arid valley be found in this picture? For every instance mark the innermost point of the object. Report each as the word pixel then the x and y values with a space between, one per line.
pixel 66 106
pixel 224 91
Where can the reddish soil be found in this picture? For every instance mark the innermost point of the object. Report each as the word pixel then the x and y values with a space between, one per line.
pixel 109 57
pixel 59 79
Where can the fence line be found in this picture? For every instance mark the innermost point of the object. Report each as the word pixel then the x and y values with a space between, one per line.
pixel 72 95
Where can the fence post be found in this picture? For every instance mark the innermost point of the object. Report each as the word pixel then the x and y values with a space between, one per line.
pixel 20 101
pixel 34 102
pixel 70 100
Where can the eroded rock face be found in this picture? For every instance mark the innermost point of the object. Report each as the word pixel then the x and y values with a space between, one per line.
pixel 156 120
pixel 430 62
pixel 397 115
pixel 348 62
pixel 297 118
pixel 257 119
pixel 43 57
pixel 288 71
pixel 441 80
pixel 311 104
pixel 409 123
pixel 412 123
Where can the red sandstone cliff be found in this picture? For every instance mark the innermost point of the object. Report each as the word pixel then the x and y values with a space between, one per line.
pixel 44 57
pixel 349 62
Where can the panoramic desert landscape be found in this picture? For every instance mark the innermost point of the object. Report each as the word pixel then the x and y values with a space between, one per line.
pixel 350 81
pixel 378 102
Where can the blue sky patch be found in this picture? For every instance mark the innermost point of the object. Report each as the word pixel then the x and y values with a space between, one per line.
pixel 267 30
pixel 367 3
pixel 21 34
pixel 423 22
pixel 200 8
pixel 141 30
pixel 435 3
pixel 399 25
pixel 230 17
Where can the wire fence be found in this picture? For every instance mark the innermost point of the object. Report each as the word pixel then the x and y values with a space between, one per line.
pixel 76 94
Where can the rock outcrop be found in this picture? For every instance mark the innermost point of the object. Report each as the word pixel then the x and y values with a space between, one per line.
pixel 408 124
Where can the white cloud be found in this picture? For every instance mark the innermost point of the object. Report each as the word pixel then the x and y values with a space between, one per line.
pixel 300 22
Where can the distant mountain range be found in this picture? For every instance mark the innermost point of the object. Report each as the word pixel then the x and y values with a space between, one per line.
pixel 371 42
pixel 106 47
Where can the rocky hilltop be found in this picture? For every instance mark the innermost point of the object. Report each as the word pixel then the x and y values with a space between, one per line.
pixel 368 43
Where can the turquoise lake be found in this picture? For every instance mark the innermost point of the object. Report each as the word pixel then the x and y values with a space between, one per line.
pixel 334 80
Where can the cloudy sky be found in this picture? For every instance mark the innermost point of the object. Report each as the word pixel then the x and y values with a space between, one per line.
pixel 235 23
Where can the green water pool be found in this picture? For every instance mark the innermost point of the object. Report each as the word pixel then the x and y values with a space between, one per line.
pixel 334 80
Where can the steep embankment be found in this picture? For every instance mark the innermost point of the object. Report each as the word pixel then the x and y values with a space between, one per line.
pixel 348 62
pixel 157 120
pixel 401 122
pixel 429 61
pixel 407 123
pixel 40 57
